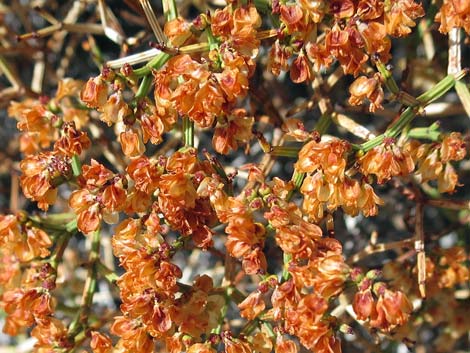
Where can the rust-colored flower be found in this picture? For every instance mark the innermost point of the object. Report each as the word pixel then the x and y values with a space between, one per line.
pixel 294 18
pixel 453 148
pixel 50 333
pixel 328 156
pixel 42 173
pixel 300 70
pixel 134 336
pixel 392 308
pixel 100 343
pixel 329 274
pixel 370 9
pixel 363 304
pixel 131 142
pixel 386 162
pixel 400 16
pixel 284 345
pixel 233 131
pixel 73 141
pixel 178 31
pixel 369 88
pixel 95 93
pixel 278 58
pixel 342 9
pixel 252 305
pixel 454 14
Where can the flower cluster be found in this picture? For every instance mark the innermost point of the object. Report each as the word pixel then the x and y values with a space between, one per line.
pixel 156 170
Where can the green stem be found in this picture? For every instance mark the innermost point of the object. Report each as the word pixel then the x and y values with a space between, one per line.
pixel 388 78
pixel 76 166
pixel 144 87
pixel 441 88
pixel 81 319
pixel 464 94
pixel 287 258
pixel 154 64
pixel 283 151
pixel 171 10
pixel 431 133
pixel 323 123
pixel 249 327
pixel 298 179
pixel 410 113
pixel 107 273
pixel 213 42
pixel 188 132
pixel 269 329
pixel 60 247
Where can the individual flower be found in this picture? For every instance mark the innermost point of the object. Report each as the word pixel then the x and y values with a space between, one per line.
pixel 100 343
pixel 178 31
pixel 42 173
pixel 400 16
pixel 363 304
pixel 73 141
pixel 370 88
pixel 453 148
pixel 386 161
pixel 232 131
pixel 300 70
pixel 454 14
pixel 327 156
pixel 392 308
pixel 95 93
pixel 24 240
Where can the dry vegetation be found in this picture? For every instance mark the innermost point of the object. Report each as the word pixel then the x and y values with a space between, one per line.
pixel 251 176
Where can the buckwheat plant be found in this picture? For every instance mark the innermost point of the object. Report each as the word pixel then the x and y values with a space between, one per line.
pixel 247 176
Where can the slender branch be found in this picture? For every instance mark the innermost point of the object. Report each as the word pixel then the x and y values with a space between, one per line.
pixel 152 19
pixel 188 132
pixel 449 204
pixel 381 247
pixel 419 248
pixel 80 321
pixel 410 113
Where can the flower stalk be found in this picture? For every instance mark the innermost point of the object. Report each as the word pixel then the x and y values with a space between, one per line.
pixel 188 132
pixel 80 321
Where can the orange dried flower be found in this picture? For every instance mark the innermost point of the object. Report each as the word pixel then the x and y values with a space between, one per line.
pixel 41 174
pixel 392 309
pixel 400 16
pixel 453 148
pixel 386 162
pixel 294 18
pixel 454 14
pixel 285 346
pixel 369 88
pixel 95 93
pixel 363 304
pixel 236 130
pixel 131 142
pixel 73 141
pixel 370 9
pixel 328 156
pixel 50 333
pixel 114 108
pixel 178 31
pixel 300 70
pixel 342 8
pixel 100 343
